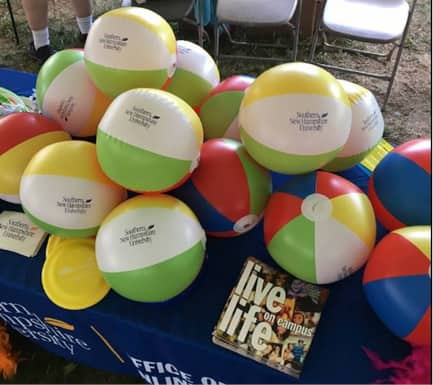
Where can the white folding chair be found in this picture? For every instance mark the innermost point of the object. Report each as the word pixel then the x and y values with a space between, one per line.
pixel 371 21
pixel 257 13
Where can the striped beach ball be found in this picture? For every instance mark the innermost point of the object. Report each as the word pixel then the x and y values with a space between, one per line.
pixel 149 140
pixel 66 94
pixel 219 111
pixel 366 130
pixel 228 191
pixel 397 283
pixel 319 227
pixel 22 135
pixel 400 186
pixel 130 47
pixel 295 118
pixel 196 73
pixel 150 248
pixel 64 191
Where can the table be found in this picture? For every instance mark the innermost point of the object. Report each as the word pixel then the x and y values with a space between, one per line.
pixel 171 342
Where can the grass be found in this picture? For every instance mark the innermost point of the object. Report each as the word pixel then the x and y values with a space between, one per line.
pixel 408 116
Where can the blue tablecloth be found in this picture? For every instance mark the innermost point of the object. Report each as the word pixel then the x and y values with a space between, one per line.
pixel 171 342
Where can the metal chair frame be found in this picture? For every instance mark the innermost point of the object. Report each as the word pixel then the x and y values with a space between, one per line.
pixel 14 26
pixel 293 29
pixel 320 29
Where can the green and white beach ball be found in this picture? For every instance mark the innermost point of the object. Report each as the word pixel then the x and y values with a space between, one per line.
pixel 130 47
pixel 366 131
pixel 64 191
pixel 196 73
pixel 150 248
pixel 295 118
pixel 149 140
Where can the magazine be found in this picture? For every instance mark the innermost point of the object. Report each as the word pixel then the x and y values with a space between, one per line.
pixel 271 317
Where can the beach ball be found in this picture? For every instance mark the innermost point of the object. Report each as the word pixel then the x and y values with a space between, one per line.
pixel 10 103
pixel 196 73
pixel 228 192
pixel 130 47
pixel 400 186
pixel 64 191
pixel 319 227
pixel 66 94
pixel 295 118
pixel 22 135
pixel 366 130
pixel 149 140
pixel 397 283
pixel 150 248
pixel 219 111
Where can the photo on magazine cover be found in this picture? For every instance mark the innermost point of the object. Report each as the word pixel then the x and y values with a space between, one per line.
pixel 271 317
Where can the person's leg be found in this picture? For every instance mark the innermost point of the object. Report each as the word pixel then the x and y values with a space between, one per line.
pixel 83 13
pixel 36 12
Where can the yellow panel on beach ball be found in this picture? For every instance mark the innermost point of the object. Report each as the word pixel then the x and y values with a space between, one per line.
pixel 295 118
pixel 130 47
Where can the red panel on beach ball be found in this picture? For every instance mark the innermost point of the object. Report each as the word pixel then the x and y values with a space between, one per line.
pixel 397 283
pixel 228 191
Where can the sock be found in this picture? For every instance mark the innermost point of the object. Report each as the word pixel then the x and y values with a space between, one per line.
pixel 84 23
pixel 41 37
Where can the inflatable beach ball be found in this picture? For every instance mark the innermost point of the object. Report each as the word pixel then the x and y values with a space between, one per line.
pixel 196 73
pixel 319 227
pixel 366 130
pixel 219 111
pixel 130 47
pixel 397 283
pixel 66 94
pixel 295 118
pixel 228 191
pixel 22 135
pixel 400 186
pixel 64 191
pixel 149 140
pixel 150 248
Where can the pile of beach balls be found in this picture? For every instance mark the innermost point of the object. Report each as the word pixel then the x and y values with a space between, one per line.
pixel 165 123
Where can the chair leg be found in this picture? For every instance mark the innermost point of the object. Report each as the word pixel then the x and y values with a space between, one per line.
pixel 393 74
pixel 314 44
pixel 397 59
pixel 14 26
pixel 216 30
pixel 317 29
pixel 200 23
pixel 391 52
pixel 298 27
pixel 294 46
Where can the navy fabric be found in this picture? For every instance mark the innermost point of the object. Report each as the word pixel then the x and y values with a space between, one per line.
pixel 171 342
pixel 210 218
pixel 304 186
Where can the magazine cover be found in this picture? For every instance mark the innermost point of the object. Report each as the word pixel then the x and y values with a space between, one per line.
pixel 270 317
